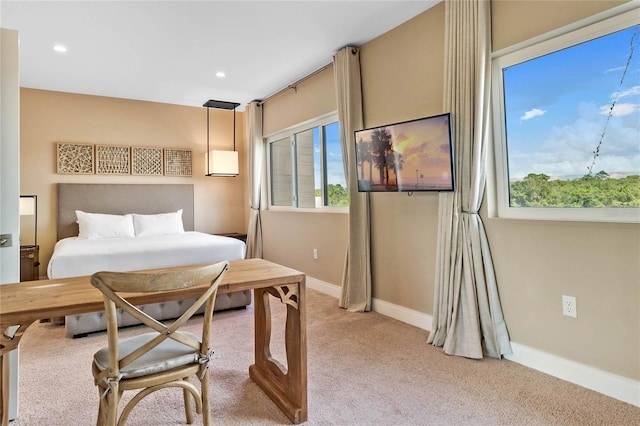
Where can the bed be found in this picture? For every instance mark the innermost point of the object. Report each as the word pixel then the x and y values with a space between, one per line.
pixel 95 232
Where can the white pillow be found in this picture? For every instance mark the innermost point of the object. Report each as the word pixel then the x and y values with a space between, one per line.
pixel 93 226
pixel 158 224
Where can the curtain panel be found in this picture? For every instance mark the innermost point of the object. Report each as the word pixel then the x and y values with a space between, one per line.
pixel 356 281
pixel 467 316
pixel 255 162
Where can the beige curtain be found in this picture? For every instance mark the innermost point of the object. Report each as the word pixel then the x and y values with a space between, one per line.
pixel 356 281
pixel 467 318
pixel 255 160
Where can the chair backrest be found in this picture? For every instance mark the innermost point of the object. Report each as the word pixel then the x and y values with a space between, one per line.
pixel 112 284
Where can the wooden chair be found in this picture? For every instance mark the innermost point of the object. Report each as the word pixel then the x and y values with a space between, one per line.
pixel 165 357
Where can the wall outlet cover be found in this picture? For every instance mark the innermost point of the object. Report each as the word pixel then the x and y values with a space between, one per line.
pixel 569 307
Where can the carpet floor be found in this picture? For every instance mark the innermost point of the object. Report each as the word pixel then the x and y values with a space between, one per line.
pixel 363 369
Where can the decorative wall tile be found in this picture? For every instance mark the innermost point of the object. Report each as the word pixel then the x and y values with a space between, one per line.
pixel 78 158
pixel 146 161
pixel 177 162
pixel 112 160
pixel 74 158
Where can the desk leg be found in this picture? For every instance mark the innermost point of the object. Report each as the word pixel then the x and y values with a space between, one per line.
pixel 288 389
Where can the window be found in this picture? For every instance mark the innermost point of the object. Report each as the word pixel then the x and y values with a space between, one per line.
pixel 306 168
pixel 567 125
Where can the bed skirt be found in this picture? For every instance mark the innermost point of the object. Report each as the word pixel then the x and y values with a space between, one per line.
pixel 83 324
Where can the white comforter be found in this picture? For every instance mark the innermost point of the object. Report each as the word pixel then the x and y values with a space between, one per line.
pixel 74 257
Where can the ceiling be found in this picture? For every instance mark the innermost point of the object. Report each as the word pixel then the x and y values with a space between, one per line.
pixel 170 51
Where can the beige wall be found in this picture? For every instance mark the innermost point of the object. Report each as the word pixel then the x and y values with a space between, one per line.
pixel 389 95
pixel 536 261
pixel 50 117
pixel 309 99
pixel 515 21
pixel 402 74
pixel 539 261
pixel 290 237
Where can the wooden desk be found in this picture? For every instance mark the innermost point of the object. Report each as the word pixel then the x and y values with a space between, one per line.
pixel 22 304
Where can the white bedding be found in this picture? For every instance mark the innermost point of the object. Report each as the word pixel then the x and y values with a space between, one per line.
pixel 74 257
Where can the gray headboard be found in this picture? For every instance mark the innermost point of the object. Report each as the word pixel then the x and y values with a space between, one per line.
pixel 121 199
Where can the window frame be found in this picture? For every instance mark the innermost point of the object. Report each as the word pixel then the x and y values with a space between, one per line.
pixel 582 31
pixel 289 132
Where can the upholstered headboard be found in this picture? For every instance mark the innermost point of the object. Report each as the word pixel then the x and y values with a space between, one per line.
pixel 121 199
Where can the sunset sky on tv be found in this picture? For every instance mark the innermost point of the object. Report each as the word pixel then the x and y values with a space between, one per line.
pixel 424 149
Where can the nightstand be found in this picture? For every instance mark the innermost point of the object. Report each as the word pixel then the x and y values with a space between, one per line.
pixel 29 263
pixel 242 237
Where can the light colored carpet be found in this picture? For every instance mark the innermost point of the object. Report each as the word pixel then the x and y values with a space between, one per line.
pixel 363 369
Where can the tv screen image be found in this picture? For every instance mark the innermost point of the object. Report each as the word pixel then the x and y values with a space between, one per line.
pixel 409 156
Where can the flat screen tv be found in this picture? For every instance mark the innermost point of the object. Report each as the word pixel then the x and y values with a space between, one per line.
pixel 410 156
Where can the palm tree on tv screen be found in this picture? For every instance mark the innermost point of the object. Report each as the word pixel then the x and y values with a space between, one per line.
pixel 380 145
pixel 364 155
pixel 394 162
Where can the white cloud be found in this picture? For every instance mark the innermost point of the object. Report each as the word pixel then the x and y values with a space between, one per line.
pixel 620 110
pixel 532 114
pixel 614 69
pixel 635 90
pixel 568 150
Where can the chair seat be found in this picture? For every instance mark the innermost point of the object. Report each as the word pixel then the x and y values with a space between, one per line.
pixel 166 356
pixel 155 360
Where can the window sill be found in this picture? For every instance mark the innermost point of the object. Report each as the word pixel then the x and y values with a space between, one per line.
pixel 331 210
pixel 606 215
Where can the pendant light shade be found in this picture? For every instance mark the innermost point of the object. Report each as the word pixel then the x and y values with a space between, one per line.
pixel 220 162
pixel 223 163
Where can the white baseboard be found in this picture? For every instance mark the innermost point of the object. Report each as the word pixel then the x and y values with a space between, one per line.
pixel 609 384
pixel 415 318
pixel 324 287
pixel 400 313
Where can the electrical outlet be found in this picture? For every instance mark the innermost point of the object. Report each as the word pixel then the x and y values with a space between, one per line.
pixel 569 307
pixel 315 253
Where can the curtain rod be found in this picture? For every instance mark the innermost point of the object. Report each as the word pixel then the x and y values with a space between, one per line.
pixel 295 84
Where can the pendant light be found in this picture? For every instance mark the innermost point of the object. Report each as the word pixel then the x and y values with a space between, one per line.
pixel 221 162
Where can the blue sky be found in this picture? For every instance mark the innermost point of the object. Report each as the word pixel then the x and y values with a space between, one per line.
pixel 557 107
pixel 335 169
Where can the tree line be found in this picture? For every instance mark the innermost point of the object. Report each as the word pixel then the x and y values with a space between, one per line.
pixel 337 195
pixel 599 190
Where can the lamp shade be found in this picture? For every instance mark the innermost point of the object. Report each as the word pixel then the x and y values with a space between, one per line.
pixel 223 163
pixel 27 206
pixel 28 220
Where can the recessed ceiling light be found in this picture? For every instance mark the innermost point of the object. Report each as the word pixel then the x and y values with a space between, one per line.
pixel 60 48
pixel 221 74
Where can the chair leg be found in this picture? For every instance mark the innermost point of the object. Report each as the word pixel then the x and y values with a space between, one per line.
pixel 206 402
pixel 100 421
pixel 187 404
pixel 113 398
